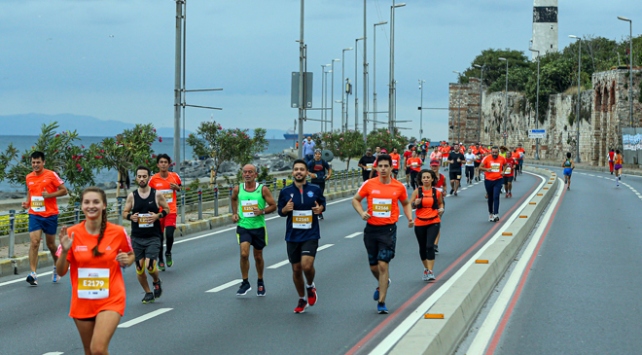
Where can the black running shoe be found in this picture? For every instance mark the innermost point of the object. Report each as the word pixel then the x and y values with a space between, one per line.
pixel 244 289
pixel 149 298
pixel 260 289
pixel 158 290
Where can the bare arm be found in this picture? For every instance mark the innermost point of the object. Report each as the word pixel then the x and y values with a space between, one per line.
pixel 407 209
pixel 235 204
pixel 269 200
pixel 129 203
pixel 161 201
pixel 62 265
pixel 356 204
pixel 61 191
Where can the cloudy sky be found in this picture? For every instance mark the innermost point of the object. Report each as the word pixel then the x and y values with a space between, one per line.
pixel 114 59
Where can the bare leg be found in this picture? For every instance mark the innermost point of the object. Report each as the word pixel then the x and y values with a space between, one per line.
pixel 245 261
pixel 260 263
pixel 35 238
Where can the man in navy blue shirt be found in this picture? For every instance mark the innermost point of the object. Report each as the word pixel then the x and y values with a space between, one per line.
pixel 299 202
pixel 319 171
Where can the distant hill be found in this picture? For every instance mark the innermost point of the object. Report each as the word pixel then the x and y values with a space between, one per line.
pixel 14 125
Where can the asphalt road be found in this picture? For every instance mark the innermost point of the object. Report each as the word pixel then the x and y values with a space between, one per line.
pixel 582 293
pixel 191 320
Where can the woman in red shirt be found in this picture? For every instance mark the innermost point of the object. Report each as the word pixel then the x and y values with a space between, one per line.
pixel 414 163
pixel 94 251
pixel 429 206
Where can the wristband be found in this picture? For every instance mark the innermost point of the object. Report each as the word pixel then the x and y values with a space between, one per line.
pixel 164 213
pixel 129 216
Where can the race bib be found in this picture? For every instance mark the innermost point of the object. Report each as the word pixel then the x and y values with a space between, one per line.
pixel 248 207
pixel 469 161
pixel 93 283
pixel 168 194
pixel 302 219
pixel 381 207
pixel 394 162
pixel 369 167
pixel 508 170
pixel 37 203
pixel 145 220
pixel 414 164
pixel 494 167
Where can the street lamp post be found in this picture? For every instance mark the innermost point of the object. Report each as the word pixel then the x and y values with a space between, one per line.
pixel 536 106
pixel 579 97
pixel 356 92
pixel 325 103
pixel 374 74
pixel 365 75
pixel 332 96
pixel 458 107
pixel 481 94
pixel 505 134
pixel 344 123
pixel 392 108
pixel 630 68
pixel 421 109
pixel 323 95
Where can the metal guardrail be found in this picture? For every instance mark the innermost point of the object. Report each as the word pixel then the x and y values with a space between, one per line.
pixel 12 221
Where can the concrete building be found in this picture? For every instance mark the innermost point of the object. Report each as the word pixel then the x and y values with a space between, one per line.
pixel 545 36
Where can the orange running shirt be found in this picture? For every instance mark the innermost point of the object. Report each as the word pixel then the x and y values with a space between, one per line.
pixel 414 164
pixel 395 160
pixel 162 185
pixel 383 200
pixel 618 159
pixel 426 215
pixel 495 166
pixel 96 281
pixel 36 184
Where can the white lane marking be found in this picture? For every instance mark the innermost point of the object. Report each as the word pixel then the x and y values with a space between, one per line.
pixel 54 353
pixel 144 317
pixel 279 264
pixel 224 286
pixel 388 342
pixel 485 332
pixel 353 235
pixel 326 246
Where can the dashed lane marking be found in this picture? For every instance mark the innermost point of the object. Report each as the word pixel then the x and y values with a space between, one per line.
pixel 144 317
pixel 353 235
pixel 225 286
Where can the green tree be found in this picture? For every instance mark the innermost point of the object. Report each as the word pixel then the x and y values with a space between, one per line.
pixel 344 145
pixel 235 144
pixel 126 151
pixel 382 138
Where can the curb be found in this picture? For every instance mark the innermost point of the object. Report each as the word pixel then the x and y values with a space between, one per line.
pixel 461 304
pixel 15 266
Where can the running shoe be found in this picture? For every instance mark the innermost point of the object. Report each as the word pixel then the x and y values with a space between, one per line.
pixel 54 277
pixel 452 191
pixel 260 289
pixel 301 306
pixel 161 265
pixel 244 288
pixel 431 275
pixel 376 293
pixel 168 259
pixel 455 193
pixel 425 276
pixel 507 194
pixel 510 194
pixel 32 279
pixel 496 218
pixel 321 216
pixel 381 308
pixel 491 218
pixel 312 295
pixel 158 290
pixel 149 298
pixel 436 249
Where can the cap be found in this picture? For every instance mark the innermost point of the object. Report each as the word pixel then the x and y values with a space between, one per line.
pixel 317 151
pixel 384 151
pixel 434 162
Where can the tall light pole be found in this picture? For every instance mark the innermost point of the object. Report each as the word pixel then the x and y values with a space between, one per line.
pixel 536 106
pixel 301 70
pixel 322 95
pixel 325 112
pixel 374 73
pixel 505 133
pixel 481 95
pixel 458 107
pixel 421 109
pixel 356 92
pixel 630 68
pixel 344 123
pixel 365 75
pixel 579 97
pixel 391 92
pixel 332 96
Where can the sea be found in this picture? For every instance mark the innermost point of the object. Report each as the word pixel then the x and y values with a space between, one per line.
pixel 22 143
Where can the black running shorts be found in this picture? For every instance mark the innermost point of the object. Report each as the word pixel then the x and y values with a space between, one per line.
pixel 298 250
pixel 146 248
pixel 380 242
pixel 257 237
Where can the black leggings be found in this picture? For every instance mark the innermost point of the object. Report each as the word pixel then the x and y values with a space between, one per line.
pixel 413 179
pixel 426 236
pixel 169 234
pixel 470 172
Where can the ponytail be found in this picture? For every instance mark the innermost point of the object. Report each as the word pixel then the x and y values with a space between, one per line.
pixel 103 226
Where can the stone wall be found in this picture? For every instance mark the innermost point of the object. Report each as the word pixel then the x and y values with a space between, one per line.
pixel 604 110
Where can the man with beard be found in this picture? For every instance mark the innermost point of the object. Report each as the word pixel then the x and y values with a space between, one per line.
pixel 366 163
pixel 141 208
pixel 299 202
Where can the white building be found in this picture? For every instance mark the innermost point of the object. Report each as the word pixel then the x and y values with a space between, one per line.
pixel 545 30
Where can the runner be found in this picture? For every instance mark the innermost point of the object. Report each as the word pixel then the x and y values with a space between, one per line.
pixel 373 172
pixel 568 166
pixel 380 234
pixel 395 163
pixel 455 158
pixel 617 166
pixel 517 156
pixel 166 183
pixel 254 201
pixel 610 157
pixel 470 166
pixel 520 161
pixel 445 150
pixel 308 149
pixel 414 162
pixel 440 185
pixel 142 209
pixel 43 187
pixel 429 206
pixel 365 163
pixel 509 174
pixel 407 154
pixel 319 171
pixel 492 166
pixel 94 251
pixel 298 202
pixel 478 151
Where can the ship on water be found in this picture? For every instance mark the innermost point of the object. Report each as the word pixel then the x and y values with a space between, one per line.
pixel 292 134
